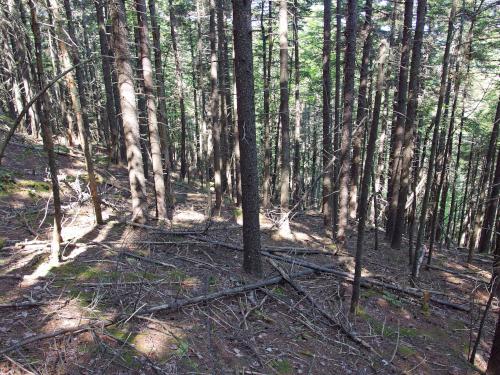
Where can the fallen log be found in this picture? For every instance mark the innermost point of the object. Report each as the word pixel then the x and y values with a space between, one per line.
pixel 367 282
pixel 168 307
pixel 336 322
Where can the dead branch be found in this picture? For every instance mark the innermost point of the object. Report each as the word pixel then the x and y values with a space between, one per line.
pixel 223 293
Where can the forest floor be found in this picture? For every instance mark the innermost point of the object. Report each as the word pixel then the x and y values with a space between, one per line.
pixel 90 314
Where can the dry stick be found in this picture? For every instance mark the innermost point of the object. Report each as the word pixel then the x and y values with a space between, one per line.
pixel 365 282
pixel 481 325
pixel 325 313
pixel 14 126
pixel 147 260
pixel 76 330
pixel 223 293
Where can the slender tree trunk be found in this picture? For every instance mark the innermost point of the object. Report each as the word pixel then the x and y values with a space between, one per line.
pixel 297 136
pixel 430 169
pixel 284 119
pixel 490 154
pixel 362 115
pixel 488 226
pixel 365 186
pixel 410 127
pixel 154 134
pixel 345 159
pixel 243 63
pixel 214 108
pixel 180 89
pixel 336 126
pixel 266 67
pixel 399 121
pixel 162 108
pixel 129 111
pixel 327 116
pixel 224 124
pixel 108 83
pixel 48 143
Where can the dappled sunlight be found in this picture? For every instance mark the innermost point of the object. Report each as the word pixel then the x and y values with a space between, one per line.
pixel 160 341
pixel 189 216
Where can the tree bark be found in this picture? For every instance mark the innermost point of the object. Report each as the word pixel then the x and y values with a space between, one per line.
pixel 154 134
pixel 362 115
pixel 48 143
pixel 410 127
pixel 243 64
pixel 284 119
pixel 180 89
pixel 108 83
pixel 162 108
pixel 480 212
pixel 348 92
pixel 367 174
pixel 336 126
pixel 266 73
pixel 129 111
pixel 327 116
pixel 399 121
pixel 214 108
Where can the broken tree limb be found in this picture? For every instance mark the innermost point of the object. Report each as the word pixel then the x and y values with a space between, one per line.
pixel 64 331
pixel 325 313
pixel 367 282
pixel 168 307
pixel 16 123
pixel 147 260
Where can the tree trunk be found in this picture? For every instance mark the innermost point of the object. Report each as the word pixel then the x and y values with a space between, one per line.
pixel 48 143
pixel 362 115
pixel 430 168
pixel 490 154
pixel 348 90
pixel 297 136
pixel 327 116
pixel 399 121
pixel 129 111
pixel 243 64
pixel 154 134
pixel 365 186
pixel 108 83
pixel 266 73
pixel 224 123
pixel 214 108
pixel 336 125
pixel 284 119
pixel 162 108
pixel 488 226
pixel 410 126
pixel 180 89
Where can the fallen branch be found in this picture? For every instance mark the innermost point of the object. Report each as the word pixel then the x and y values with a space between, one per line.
pixel 336 322
pixel 365 282
pixel 147 260
pixel 21 115
pixel 223 293
pixel 64 331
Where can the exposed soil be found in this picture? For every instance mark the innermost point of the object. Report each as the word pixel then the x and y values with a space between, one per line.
pixel 271 330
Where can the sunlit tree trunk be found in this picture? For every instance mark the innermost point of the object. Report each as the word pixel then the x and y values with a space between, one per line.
pixel 348 92
pixel 129 111
pixel 154 134
pixel 48 143
pixel 284 119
